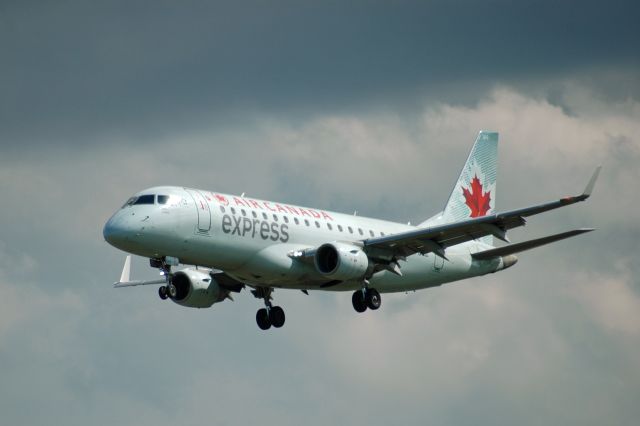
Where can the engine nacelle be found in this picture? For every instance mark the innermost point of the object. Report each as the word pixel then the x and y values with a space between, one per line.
pixel 341 261
pixel 197 289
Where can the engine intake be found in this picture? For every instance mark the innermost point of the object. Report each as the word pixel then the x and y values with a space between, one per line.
pixel 341 261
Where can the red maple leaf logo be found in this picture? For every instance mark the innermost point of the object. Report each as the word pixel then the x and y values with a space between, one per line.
pixel 222 199
pixel 478 202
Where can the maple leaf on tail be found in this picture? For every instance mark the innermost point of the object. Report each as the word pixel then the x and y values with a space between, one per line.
pixel 478 202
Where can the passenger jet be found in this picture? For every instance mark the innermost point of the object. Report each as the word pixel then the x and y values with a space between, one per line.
pixel 233 242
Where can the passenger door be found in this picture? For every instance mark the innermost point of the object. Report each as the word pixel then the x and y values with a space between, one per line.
pixel 204 211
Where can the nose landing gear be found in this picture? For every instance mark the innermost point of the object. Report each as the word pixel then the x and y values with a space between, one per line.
pixel 162 292
pixel 164 265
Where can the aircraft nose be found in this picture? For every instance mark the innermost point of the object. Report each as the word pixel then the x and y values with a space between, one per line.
pixel 114 232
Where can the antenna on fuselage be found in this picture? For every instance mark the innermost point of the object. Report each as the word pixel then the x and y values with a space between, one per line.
pixel 242 195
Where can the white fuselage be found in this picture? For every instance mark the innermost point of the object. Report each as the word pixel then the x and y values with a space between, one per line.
pixel 251 240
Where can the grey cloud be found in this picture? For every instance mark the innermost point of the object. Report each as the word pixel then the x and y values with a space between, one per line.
pixel 229 99
pixel 76 71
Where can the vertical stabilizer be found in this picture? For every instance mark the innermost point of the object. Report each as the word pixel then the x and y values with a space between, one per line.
pixel 474 194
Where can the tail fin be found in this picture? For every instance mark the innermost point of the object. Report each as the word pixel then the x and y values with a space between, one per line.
pixel 474 194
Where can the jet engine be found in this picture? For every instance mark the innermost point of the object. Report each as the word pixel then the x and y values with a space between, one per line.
pixel 195 288
pixel 340 261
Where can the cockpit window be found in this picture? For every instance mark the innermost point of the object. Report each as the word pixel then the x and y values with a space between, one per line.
pixel 164 200
pixel 130 202
pixel 145 199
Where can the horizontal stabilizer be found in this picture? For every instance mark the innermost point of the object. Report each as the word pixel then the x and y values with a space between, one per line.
pixel 527 245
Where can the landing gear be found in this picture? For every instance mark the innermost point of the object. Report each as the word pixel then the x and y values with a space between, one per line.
pixel 162 292
pixel 373 299
pixel 366 298
pixel 276 315
pixel 164 265
pixel 167 291
pixel 262 318
pixel 269 315
pixel 358 301
pixel 172 290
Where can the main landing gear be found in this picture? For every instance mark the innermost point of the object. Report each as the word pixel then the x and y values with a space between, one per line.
pixel 168 290
pixel 366 298
pixel 269 315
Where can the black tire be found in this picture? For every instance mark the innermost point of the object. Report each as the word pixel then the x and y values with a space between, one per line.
pixel 358 301
pixel 276 315
pixel 373 299
pixel 262 318
pixel 162 292
pixel 172 291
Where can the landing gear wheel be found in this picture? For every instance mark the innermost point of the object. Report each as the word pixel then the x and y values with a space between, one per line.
pixel 262 318
pixel 162 292
pixel 276 315
pixel 373 299
pixel 358 301
pixel 172 291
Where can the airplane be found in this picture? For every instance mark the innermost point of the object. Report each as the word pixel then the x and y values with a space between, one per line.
pixel 233 242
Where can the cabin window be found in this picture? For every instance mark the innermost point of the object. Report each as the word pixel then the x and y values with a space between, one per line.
pixel 371 233
pixel 360 231
pixel 244 213
pixel 297 222
pixel 222 209
pixel 233 210
pixel 275 218
pixel 306 222
pixel 329 226
pixel 264 216
pixel 350 230
pixel 286 219
pixel 254 214
pixel 340 228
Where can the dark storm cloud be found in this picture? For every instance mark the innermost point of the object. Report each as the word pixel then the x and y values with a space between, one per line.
pixel 77 72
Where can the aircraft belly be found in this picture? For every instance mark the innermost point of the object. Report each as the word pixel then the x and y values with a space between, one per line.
pixel 420 272
pixel 271 265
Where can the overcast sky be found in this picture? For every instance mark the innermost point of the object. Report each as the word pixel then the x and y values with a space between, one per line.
pixel 360 105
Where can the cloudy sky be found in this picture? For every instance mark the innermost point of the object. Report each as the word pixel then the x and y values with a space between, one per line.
pixel 367 105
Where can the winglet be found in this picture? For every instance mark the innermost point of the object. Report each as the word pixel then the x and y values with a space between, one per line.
pixel 126 271
pixel 592 182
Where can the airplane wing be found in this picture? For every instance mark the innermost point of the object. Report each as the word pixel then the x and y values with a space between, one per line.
pixel 125 277
pixel 437 238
